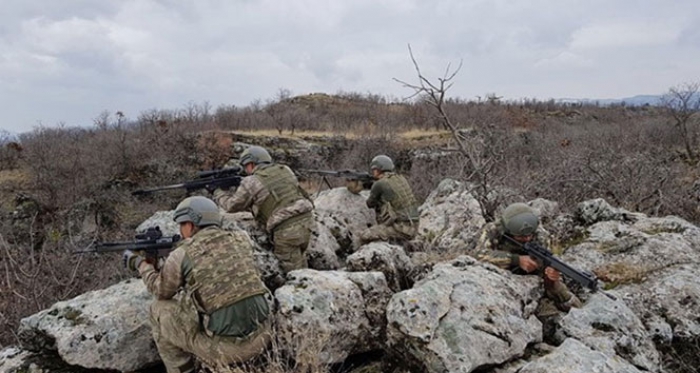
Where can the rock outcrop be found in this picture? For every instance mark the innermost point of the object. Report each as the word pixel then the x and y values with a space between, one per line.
pixel 103 329
pixel 450 218
pixel 652 263
pixel 331 314
pixel 386 258
pixel 464 316
pixel 575 357
pixel 344 214
pixel 612 328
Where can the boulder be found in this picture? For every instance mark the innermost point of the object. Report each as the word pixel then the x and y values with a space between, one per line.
pixel 386 258
pixel 103 329
pixel 321 253
pixel 597 210
pixel 162 219
pixel 668 301
pixel 13 359
pixel 464 316
pixel 545 209
pixel 575 357
pixel 331 314
pixel 652 264
pixel 450 218
pixel 612 328
pixel 344 214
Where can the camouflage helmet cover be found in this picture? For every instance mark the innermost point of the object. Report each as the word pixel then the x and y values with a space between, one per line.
pixel 519 219
pixel 201 211
pixel 255 154
pixel 382 163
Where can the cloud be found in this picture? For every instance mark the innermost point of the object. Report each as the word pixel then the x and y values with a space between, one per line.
pixel 626 35
pixel 69 60
pixel 565 60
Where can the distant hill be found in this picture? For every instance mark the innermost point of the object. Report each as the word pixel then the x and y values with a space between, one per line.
pixel 638 100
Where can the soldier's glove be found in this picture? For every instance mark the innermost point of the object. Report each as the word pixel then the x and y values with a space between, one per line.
pixel 133 259
pixel 211 188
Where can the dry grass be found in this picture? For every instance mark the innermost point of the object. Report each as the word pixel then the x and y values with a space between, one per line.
pixel 620 273
pixel 300 356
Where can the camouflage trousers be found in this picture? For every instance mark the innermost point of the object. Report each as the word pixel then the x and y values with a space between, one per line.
pixel 290 240
pixel 400 231
pixel 178 336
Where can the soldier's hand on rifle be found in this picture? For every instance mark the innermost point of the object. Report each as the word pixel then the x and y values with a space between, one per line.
pixel 528 264
pixel 552 274
pixel 133 259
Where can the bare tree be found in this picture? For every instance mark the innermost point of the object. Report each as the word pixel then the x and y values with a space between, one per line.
pixel 683 103
pixel 476 146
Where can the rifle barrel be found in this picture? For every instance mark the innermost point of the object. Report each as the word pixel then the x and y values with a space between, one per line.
pixel 156 189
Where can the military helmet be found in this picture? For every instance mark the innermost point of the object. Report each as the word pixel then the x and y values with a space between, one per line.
pixel 255 154
pixel 382 163
pixel 201 211
pixel 519 220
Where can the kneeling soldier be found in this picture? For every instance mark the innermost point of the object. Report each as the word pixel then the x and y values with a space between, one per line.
pixel 221 311
pixel 393 201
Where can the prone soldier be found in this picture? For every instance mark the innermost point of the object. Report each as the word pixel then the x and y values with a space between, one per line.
pixel 519 222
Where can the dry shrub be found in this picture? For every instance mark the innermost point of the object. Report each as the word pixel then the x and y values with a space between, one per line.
pixel 302 356
pixel 34 279
pixel 619 273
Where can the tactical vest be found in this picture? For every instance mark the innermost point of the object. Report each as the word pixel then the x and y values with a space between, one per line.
pixel 402 201
pixel 283 189
pixel 223 271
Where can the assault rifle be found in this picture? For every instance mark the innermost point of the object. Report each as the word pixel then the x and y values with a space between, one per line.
pixel 363 177
pixel 544 256
pixel 151 242
pixel 223 178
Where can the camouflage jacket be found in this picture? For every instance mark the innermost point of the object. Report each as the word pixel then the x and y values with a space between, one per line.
pixel 392 199
pixel 495 249
pixel 224 286
pixel 251 194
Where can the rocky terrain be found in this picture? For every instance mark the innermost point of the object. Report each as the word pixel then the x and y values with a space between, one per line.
pixel 428 306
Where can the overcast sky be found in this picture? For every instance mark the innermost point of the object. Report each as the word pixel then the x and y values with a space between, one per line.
pixel 68 60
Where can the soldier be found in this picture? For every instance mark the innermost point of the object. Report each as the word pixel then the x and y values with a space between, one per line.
pixel 519 222
pixel 394 203
pixel 280 206
pixel 221 314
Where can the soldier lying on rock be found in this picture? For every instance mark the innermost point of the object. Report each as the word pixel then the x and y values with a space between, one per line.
pixel 221 313
pixel 519 222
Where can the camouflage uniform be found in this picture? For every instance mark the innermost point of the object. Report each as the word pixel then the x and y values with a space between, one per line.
pixel 221 310
pixel 495 249
pixel 280 207
pixel 397 210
